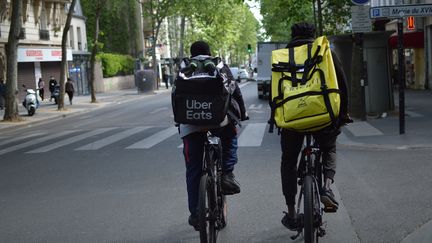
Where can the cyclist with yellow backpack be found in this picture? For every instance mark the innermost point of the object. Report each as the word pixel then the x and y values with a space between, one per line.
pixel 333 96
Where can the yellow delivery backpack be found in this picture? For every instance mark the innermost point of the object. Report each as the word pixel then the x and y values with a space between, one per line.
pixel 304 88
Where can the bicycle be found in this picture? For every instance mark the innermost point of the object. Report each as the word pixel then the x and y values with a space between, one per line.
pixel 311 181
pixel 212 207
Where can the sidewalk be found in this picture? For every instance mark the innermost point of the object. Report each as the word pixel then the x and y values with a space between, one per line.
pixel 48 109
pixel 382 132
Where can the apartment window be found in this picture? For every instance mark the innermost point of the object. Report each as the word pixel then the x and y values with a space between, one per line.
pixel 22 34
pixel 44 35
pixel 79 38
pixel 71 37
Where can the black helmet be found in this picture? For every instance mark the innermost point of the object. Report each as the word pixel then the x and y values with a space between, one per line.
pixel 303 29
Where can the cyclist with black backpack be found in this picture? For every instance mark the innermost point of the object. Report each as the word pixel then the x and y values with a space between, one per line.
pixel 194 133
pixel 291 141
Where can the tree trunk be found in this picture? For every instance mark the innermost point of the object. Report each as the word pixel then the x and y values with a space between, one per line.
pixel 155 66
pixel 182 35
pixel 64 63
pixel 320 20
pixel 11 106
pixel 94 52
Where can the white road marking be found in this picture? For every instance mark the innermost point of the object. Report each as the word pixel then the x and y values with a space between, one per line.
pixel 362 128
pixel 34 141
pixel 6 141
pixel 254 106
pixel 112 139
pixel 252 135
pixel 71 140
pixel 158 110
pixel 154 139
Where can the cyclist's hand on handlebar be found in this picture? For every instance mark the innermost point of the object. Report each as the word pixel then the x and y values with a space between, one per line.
pixel 345 119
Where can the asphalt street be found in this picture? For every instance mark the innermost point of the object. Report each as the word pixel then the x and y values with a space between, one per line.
pixel 114 172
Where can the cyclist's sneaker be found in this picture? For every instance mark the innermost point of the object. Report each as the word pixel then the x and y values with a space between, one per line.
pixel 193 221
pixel 229 185
pixel 290 222
pixel 328 199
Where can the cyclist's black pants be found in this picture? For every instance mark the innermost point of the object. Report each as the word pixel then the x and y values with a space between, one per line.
pixel 291 144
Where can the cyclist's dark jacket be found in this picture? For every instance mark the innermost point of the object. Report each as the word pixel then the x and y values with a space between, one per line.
pixel 340 74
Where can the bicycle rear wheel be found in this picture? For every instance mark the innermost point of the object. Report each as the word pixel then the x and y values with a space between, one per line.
pixel 310 231
pixel 206 210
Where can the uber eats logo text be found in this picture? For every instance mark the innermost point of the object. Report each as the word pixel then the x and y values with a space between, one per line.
pixel 198 110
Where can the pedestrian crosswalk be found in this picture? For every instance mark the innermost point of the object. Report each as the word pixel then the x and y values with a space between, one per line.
pixel 136 138
pixel 142 137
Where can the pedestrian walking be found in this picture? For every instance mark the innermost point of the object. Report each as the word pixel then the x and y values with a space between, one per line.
pixel 52 85
pixel 41 85
pixel 165 77
pixel 70 89
pixel 2 94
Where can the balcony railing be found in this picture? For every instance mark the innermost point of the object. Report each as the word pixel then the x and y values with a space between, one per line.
pixel 44 34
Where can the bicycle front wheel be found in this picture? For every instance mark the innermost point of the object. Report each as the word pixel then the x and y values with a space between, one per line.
pixel 207 209
pixel 310 231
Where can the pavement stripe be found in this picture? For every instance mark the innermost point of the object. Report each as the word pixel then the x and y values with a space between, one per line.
pixel 252 135
pixel 34 141
pixel 413 114
pixel 339 227
pixel 362 128
pixel 70 140
pixel 6 141
pixel 154 139
pixel 158 110
pixel 112 139
pixel 254 106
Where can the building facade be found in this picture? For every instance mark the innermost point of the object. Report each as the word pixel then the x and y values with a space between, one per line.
pixel 39 49
pixel 417 45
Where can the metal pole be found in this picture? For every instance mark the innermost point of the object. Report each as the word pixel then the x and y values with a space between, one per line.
pixel 401 63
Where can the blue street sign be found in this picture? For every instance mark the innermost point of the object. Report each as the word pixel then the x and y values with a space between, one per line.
pixel 359 2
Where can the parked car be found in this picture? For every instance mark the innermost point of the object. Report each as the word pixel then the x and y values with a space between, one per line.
pixel 239 74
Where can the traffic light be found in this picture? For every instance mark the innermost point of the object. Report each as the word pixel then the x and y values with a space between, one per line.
pixel 249 48
pixel 410 23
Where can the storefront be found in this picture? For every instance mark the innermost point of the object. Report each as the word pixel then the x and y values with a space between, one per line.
pixel 35 63
pixel 414 59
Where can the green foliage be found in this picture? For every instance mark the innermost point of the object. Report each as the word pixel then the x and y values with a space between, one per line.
pixel 227 25
pixel 116 64
pixel 117 22
pixel 278 16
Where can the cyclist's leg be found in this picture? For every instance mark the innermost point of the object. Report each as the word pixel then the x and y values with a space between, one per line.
pixel 327 141
pixel 193 152
pixel 291 144
pixel 228 136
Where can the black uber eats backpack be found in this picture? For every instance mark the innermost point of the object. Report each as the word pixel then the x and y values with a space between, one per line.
pixel 200 95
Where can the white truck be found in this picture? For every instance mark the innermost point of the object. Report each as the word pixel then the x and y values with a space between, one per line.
pixel 264 51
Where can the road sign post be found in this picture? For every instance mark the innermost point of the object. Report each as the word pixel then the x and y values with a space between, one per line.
pixel 401 74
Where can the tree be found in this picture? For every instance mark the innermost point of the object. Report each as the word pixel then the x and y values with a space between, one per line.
pixel 156 11
pixel 64 62
pixel 228 32
pixel 11 111
pixel 330 16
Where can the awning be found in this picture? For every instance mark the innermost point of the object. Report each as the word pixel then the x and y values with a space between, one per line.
pixel 411 40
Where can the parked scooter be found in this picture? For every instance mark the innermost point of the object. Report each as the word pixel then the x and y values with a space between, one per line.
pixel 56 93
pixel 30 102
